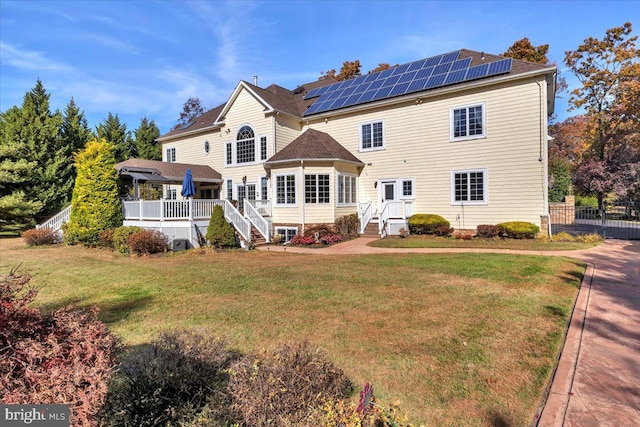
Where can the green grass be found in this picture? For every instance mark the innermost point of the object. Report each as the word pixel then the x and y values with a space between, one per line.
pixel 422 241
pixel 459 339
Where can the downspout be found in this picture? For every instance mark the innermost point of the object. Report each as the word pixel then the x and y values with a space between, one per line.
pixel 541 158
pixel 301 198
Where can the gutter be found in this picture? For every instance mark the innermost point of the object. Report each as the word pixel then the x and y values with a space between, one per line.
pixel 189 133
pixel 277 162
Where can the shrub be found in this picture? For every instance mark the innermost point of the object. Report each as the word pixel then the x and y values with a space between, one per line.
pixel 147 242
pixel 300 240
pixel 347 225
pixel 444 231
pixel 285 386
pixel 41 236
pixel 321 229
pixel 66 357
pixel 590 238
pixel 220 233
pixel 427 224
pixel 487 231
pixel 464 236
pixel 563 237
pixel 586 201
pixel 170 381
pixel 121 237
pixel 106 238
pixel 95 201
pixel 518 230
pixel 277 239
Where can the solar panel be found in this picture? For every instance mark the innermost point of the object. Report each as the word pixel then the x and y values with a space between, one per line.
pixel 408 78
pixel 383 92
pixel 455 77
pixel 399 89
pixel 461 64
pixel 499 67
pixel 442 68
pixel 477 71
pixel 401 69
pixel 425 72
pixel 450 57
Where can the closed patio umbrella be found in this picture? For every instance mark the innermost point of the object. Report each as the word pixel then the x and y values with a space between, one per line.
pixel 188 187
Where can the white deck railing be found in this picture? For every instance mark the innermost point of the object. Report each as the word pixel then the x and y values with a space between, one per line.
pixel 262 206
pixel 261 224
pixel 56 221
pixel 181 210
pixel 365 212
pixel 402 209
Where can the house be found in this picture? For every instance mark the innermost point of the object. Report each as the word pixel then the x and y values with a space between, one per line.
pixel 462 135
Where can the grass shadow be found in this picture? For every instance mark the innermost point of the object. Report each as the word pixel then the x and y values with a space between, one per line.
pixel 109 312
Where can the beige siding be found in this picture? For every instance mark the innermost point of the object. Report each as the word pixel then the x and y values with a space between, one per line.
pixel 417 145
pixel 287 129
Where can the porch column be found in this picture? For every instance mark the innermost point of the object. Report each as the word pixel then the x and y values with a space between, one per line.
pixel 190 209
pixel 140 208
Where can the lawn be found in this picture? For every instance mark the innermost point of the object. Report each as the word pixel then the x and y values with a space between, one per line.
pixel 458 339
pixel 428 241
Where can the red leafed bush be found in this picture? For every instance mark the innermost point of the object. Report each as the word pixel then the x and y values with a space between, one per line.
pixel 41 236
pixel 464 236
pixel 66 357
pixel 329 239
pixel 488 231
pixel 147 242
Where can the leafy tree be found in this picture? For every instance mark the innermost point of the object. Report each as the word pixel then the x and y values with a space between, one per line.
pixel 191 109
pixel 381 67
pixel 609 71
pixel 115 132
pixel 95 203
pixel 559 179
pixel 523 49
pixel 145 140
pixel 17 211
pixel 569 140
pixel 349 70
pixel 220 233
pixel 74 135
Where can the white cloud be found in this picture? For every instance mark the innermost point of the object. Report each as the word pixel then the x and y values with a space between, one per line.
pixel 29 60
pixel 113 43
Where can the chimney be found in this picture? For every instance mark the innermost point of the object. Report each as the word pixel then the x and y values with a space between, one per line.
pixel 255 80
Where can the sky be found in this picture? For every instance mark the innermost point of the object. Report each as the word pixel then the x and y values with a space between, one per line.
pixel 142 58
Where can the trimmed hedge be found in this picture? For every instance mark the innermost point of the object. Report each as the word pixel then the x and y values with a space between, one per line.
pixel 518 230
pixel 41 236
pixel 487 231
pixel 146 242
pixel 429 224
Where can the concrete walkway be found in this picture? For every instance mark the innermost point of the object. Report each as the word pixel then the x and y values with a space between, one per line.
pixel 597 382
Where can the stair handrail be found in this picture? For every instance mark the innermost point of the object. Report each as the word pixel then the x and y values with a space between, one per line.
pixel 365 212
pixel 240 223
pixel 261 224
pixel 383 218
pixel 55 222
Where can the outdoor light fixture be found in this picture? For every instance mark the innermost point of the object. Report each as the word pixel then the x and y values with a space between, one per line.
pixel 244 179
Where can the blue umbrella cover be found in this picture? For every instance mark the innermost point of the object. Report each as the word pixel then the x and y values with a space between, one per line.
pixel 188 187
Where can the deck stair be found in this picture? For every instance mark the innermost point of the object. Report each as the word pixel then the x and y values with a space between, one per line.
pixel 371 230
pixel 257 238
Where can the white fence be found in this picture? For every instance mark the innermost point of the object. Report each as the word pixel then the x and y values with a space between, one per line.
pixel 56 221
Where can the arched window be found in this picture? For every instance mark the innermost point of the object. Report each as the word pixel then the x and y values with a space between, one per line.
pixel 245 145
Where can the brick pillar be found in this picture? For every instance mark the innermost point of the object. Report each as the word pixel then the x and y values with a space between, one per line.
pixel 544 225
pixel 570 209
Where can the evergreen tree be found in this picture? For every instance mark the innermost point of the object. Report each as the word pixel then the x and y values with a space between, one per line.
pixel 95 202
pixel 145 140
pixel 17 212
pixel 116 133
pixel 220 233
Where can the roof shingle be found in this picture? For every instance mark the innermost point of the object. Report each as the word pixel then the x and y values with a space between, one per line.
pixel 314 145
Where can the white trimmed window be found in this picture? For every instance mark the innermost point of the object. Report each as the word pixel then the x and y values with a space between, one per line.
pixel 229 189
pixel 372 136
pixel 286 189
pixel 408 188
pixel 172 193
pixel 263 148
pixel 468 122
pixel 171 155
pixel 316 188
pixel 287 232
pixel 264 187
pixel 469 187
pixel 228 159
pixel 245 145
pixel 347 189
